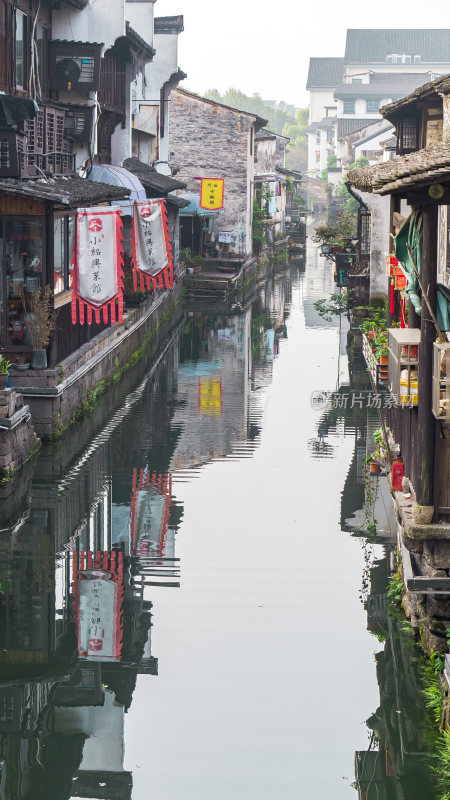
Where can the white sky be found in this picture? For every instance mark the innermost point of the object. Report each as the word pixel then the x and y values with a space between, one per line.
pixel 265 45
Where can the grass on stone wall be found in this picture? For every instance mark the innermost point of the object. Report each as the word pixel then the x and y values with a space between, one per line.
pixel 86 406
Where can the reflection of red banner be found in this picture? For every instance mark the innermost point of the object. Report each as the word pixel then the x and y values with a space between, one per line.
pixel 149 514
pixel 98 599
pixel 151 247
pixel 97 265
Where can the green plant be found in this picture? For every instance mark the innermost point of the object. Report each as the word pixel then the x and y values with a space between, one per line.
pixel 334 305
pixel 5 366
pixel 396 588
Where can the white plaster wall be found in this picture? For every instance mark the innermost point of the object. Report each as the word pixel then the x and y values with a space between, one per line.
pixel 101 21
pixel 140 17
pixel 104 725
pixel 164 64
pixel 361 109
pixel 318 99
pixel 373 144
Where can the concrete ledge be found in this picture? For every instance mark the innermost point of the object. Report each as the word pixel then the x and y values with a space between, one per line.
pixel 16 419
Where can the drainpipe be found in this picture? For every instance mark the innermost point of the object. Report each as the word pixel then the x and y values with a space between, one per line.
pixel 356 196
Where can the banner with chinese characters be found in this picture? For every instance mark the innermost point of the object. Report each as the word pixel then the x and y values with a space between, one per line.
pixel 97 265
pixel 149 514
pixel 98 601
pixel 211 193
pixel 152 250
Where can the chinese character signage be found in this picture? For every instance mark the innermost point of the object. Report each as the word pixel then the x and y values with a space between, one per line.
pixel 211 193
pixel 97 265
pixel 152 250
pixel 149 514
pixel 98 599
pixel 210 395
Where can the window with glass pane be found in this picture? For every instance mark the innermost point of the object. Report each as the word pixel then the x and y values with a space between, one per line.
pixel 42 57
pixel 349 106
pixel 408 134
pixel 71 242
pixel 318 137
pixel 63 239
pixel 59 260
pixel 20 49
pixel 23 252
pixel 373 104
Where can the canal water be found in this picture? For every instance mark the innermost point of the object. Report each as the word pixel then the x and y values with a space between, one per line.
pixel 190 607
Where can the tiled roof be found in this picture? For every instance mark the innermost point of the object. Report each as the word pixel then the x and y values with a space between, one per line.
pixel 389 87
pixel 70 191
pixel 371 46
pixel 346 126
pixel 324 124
pixel 439 86
pixel 325 73
pixel 430 165
pixel 169 24
pixel 152 179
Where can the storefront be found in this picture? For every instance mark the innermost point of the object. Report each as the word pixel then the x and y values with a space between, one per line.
pixel 37 228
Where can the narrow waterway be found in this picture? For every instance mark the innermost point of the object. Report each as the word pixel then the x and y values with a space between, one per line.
pixel 234 657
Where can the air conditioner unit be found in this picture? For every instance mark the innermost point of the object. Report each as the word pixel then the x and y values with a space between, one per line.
pixel 74 70
pixel 74 65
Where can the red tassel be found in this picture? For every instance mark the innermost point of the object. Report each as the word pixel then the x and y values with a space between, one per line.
pixel 392 305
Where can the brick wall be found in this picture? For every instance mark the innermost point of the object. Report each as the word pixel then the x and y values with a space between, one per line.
pixel 211 140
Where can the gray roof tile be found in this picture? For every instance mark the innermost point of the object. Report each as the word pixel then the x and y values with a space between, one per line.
pixel 325 73
pixel 371 46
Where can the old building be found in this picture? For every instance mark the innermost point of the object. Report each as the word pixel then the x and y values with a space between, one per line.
pixel 82 94
pixel 417 183
pixel 209 139
pixel 379 66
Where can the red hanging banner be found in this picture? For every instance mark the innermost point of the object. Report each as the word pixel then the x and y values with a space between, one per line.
pixel 98 591
pixel 149 514
pixel 151 247
pixel 97 265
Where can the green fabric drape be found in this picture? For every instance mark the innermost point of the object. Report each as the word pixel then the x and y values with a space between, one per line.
pixel 411 233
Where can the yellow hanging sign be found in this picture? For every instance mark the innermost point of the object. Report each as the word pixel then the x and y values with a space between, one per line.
pixel 210 395
pixel 211 193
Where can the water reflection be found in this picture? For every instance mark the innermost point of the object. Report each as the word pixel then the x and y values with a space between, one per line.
pixel 90 553
pixel 90 533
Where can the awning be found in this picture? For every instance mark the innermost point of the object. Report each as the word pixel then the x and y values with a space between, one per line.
pixel 118 176
pixel 193 208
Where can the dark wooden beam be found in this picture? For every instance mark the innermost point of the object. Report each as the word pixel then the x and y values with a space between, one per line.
pixel 424 446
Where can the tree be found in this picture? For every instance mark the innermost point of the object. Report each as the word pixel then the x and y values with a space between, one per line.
pixel 297 149
pixel 348 202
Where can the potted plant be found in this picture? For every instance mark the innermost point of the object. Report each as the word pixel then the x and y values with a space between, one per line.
pixel 4 369
pixel 40 326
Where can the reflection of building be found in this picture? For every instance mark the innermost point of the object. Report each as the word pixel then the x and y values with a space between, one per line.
pixel 213 388
pixel 62 717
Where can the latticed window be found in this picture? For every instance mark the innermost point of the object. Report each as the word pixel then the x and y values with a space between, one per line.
pixel 349 106
pixel 407 136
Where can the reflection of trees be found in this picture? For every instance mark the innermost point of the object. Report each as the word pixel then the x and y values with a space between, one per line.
pixel 394 766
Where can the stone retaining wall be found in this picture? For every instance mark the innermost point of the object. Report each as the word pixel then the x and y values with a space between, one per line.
pixel 56 396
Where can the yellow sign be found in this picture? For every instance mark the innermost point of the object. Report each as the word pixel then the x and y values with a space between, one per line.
pixel 211 193
pixel 210 396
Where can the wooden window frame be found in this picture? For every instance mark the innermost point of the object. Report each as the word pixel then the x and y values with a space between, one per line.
pixel 65 294
pixel 25 55
pixel 4 346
